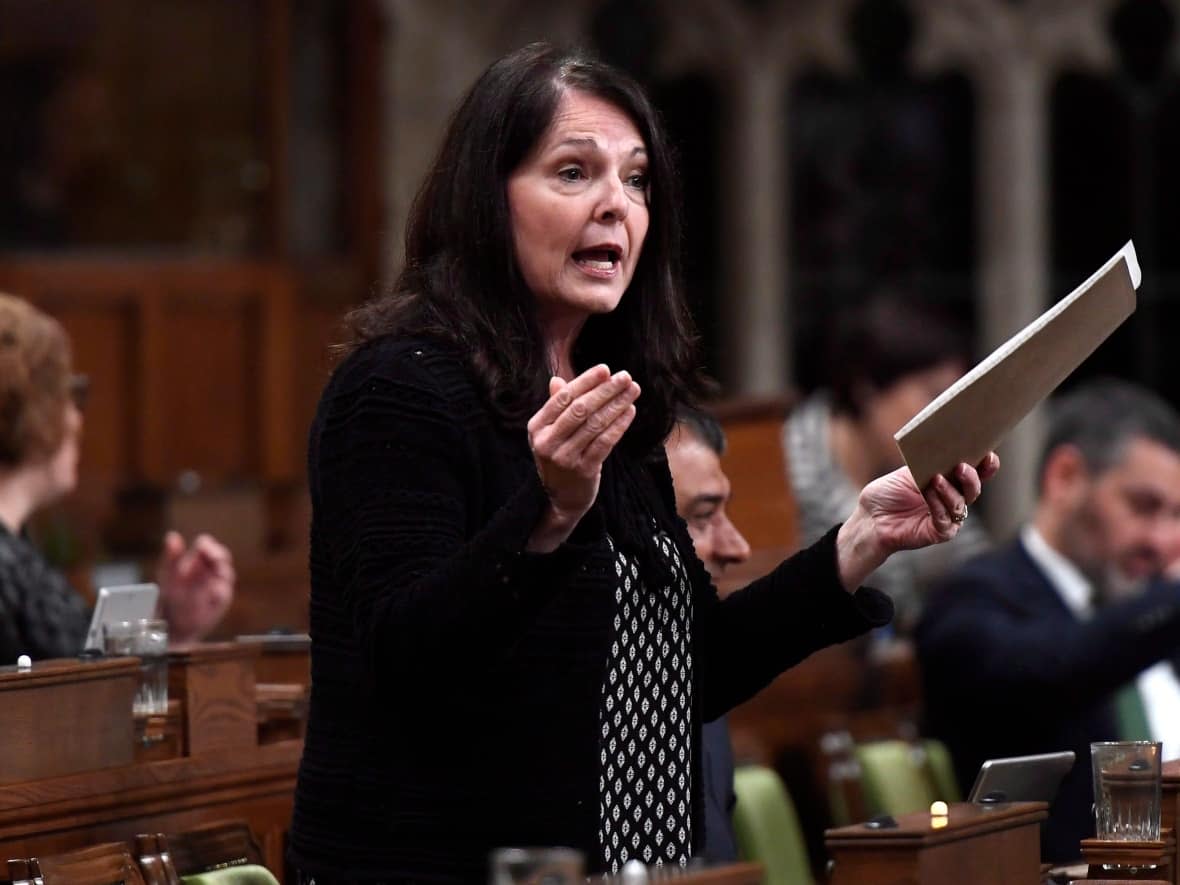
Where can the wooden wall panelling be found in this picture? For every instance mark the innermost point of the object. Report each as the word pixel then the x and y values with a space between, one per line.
pixel 206 405
pixel 275 49
pixel 151 386
pixel 762 508
pixel 281 439
pixel 210 382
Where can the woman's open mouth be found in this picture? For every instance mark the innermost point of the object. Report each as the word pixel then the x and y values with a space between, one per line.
pixel 598 261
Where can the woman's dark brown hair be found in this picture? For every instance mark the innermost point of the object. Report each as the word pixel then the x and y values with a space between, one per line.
pixel 34 383
pixel 461 282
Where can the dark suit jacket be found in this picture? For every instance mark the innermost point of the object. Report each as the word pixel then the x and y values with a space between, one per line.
pixel 1009 670
pixel 717 767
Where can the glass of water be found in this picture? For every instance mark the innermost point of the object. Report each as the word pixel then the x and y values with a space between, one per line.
pixel 537 866
pixel 146 639
pixel 1127 790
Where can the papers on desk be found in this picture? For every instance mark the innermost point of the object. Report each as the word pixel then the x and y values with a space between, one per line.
pixel 969 418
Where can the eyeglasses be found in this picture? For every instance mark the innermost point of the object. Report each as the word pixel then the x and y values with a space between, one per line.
pixel 79 387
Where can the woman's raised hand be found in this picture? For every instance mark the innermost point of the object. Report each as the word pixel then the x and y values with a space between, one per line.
pixel 892 514
pixel 571 436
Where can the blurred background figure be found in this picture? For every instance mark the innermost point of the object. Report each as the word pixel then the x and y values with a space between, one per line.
pixel 41 615
pixel 888 358
pixel 1023 650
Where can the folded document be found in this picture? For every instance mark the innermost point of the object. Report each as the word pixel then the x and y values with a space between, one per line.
pixel 969 418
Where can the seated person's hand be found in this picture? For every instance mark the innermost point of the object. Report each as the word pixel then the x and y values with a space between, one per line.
pixel 196 585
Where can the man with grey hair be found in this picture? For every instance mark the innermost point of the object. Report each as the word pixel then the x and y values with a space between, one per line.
pixel 1023 650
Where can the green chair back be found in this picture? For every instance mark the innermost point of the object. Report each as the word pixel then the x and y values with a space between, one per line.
pixel 247 874
pixel 893 778
pixel 767 827
pixel 941 770
pixel 1131 714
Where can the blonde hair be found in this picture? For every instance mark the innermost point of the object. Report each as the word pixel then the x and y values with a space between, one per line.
pixel 34 382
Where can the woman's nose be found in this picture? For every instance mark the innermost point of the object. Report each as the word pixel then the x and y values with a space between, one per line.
pixel 613 202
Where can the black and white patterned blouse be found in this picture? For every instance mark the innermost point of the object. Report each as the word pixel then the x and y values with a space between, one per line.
pixel 40 613
pixel 645 772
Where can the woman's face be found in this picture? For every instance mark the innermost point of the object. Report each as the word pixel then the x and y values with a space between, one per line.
pixel 579 210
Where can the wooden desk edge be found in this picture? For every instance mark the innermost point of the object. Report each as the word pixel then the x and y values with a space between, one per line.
pixel 910 834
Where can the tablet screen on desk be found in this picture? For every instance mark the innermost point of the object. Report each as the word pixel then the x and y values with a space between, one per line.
pixel 1023 778
pixel 128 602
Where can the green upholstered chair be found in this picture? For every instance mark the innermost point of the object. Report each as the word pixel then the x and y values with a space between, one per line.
pixel 941 771
pixel 1132 716
pixel 247 874
pixel 767 827
pixel 894 778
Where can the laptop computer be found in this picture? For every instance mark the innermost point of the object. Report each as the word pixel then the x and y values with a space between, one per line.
pixel 126 602
pixel 1022 778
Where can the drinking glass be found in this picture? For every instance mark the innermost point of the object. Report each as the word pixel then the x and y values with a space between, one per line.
pixel 1127 790
pixel 537 866
pixel 146 639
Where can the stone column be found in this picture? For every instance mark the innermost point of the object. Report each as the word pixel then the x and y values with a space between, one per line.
pixel 1012 52
pixel 753 52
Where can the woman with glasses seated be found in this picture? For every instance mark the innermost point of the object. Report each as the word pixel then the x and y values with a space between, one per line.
pixel 40 433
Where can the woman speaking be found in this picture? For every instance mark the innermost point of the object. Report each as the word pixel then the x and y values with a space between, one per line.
pixel 513 642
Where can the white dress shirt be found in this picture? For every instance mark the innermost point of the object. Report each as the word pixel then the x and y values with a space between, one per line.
pixel 1158 685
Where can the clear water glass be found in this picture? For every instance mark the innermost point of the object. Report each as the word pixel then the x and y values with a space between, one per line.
pixel 146 639
pixel 1127 790
pixel 537 866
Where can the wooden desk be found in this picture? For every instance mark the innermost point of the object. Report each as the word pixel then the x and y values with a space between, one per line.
pixel 256 784
pixel 743 873
pixel 977 846
pixel 73 778
pixel 42 708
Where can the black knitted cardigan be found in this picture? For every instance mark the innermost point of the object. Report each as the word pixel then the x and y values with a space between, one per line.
pixel 457 680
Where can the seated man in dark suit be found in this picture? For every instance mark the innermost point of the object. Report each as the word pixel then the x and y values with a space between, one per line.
pixel 702 491
pixel 1023 649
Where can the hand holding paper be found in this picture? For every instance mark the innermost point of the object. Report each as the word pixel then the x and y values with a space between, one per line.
pixel 964 424
pixel 892 515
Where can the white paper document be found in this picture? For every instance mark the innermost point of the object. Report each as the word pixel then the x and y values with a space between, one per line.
pixel 969 418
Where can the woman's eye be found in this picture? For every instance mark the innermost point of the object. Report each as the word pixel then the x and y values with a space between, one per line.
pixel 637 180
pixel 570 173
